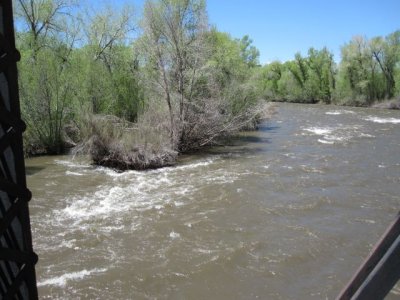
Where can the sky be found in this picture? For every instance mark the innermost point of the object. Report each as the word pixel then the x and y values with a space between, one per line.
pixel 280 28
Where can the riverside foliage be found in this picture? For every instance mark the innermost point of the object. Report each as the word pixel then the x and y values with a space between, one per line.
pixel 136 91
pixel 132 92
pixel 369 72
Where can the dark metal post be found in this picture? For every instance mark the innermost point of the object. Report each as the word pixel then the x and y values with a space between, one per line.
pixel 380 271
pixel 17 259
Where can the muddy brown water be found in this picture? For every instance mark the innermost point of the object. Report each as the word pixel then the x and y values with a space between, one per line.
pixel 286 212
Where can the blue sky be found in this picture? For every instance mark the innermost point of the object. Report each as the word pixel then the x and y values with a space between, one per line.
pixel 280 28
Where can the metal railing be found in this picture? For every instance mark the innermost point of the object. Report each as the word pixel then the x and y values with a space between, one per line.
pixel 17 259
pixel 380 271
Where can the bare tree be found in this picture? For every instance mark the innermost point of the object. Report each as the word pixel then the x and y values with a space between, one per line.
pixel 106 29
pixel 42 18
pixel 173 48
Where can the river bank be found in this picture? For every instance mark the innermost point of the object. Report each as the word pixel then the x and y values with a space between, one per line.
pixel 121 145
pixel 106 149
pixel 389 104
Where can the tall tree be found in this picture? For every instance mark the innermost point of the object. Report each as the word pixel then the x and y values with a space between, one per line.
pixel 249 52
pixel 321 65
pixel 108 38
pixel 172 46
pixel 46 44
pixel 360 70
pixel 387 53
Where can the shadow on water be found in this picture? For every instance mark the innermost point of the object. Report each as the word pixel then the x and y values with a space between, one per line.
pixel 225 152
pixel 248 143
pixel 253 139
pixel 267 127
pixel 31 170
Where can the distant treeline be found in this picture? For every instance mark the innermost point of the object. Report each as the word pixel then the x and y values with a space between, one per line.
pixel 134 91
pixel 369 71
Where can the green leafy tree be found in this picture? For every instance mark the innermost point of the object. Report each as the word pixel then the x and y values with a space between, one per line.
pixel 249 53
pixel 45 87
pixel 268 78
pixel 362 78
pixel 46 92
pixel 322 74
pixel 107 53
pixel 387 54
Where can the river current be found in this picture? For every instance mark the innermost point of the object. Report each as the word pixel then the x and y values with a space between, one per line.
pixel 286 212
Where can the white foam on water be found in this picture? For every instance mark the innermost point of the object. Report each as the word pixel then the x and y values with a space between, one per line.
pixel 134 191
pixel 382 120
pixel 325 142
pixel 205 251
pixel 71 163
pixel 339 112
pixel 366 135
pixel 73 173
pixel 174 235
pixel 287 167
pixel 349 112
pixel 334 113
pixel 319 130
pixel 62 280
pixel 68 243
pixel 290 155
pixel 104 203
pixel 115 174
pixel 221 179
pixel 337 138
pixel 179 203
pixel 338 135
pixel 190 166
pixel 196 165
pixel 110 229
pixel 147 180
pixel 184 191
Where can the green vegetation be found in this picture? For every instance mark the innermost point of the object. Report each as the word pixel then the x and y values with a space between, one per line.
pixel 136 92
pixel 368 73
pixel 132 94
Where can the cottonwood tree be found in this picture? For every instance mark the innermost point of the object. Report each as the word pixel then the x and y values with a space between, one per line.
pixel 111 80
pixel 361 72
pixel 106 29
pixel 233 63
pixel 322 74
pixel 172 48
pixel 203 76
pixel 268 79
pixel 249 53
pixel 387 53
pixel 46 40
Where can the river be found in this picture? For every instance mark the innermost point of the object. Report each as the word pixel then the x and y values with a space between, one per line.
pixel 286 212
